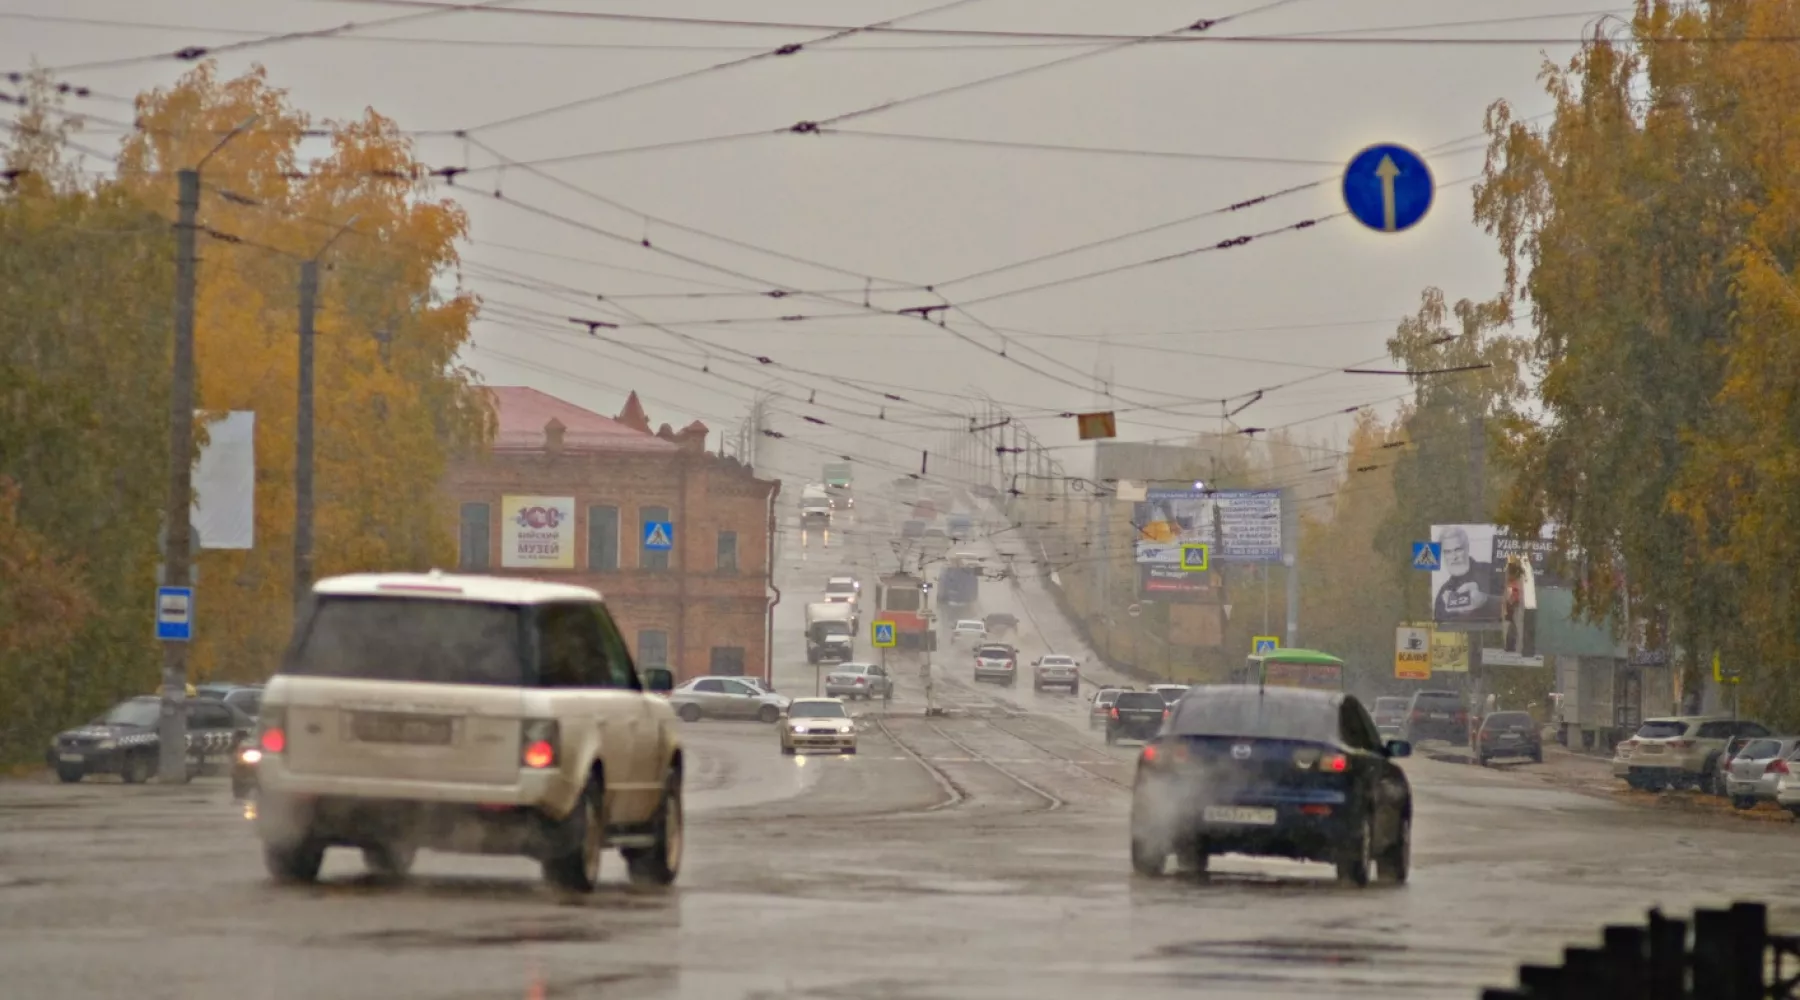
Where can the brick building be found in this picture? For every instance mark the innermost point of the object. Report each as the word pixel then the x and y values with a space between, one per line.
pixel 568 494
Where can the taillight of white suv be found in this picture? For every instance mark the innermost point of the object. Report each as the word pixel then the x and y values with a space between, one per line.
pixel 537 745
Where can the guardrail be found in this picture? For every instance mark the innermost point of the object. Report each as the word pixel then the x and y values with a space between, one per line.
pixel 1718 955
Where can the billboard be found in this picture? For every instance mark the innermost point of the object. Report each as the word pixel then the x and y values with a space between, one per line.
pixel 1240 525
pixel 537 532
pixel 1412 652
pixel 1488 580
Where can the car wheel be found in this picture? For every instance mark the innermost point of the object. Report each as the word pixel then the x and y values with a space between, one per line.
pixel 137 769
pixel 1395 863
pixel 689 713
pixel 1537 757
pixel 389 861
pixel 850 750
pixel 1354 866
pixel 1148 858
pixel 768 714
pixel 659 863
pixel 1707 779
pixel 1743 802
pixel 69 775
pixel 296 862
pixel 579 869
pixel 1193 859
pixel 1481 760
pixel 1111 738
pixel 787 749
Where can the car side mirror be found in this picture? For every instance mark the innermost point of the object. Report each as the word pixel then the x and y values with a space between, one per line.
pixel 660 680
pixel 1399 748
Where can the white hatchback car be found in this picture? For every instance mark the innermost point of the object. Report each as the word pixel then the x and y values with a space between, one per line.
pixel 471 714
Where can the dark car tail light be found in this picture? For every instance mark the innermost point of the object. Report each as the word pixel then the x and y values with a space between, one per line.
pixel 1336 763
pixel 272 730
pixel 1462 715
pixel 1776 766
pixel 1681 744
pixel 1115 711
pixel 1417 715
pixel 537 744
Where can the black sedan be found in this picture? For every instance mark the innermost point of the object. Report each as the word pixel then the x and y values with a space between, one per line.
pixel 125 742
pixel 1135 715
pixel 1273 771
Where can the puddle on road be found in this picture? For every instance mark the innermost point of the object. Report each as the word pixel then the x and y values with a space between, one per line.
pixel 535 932
pixel 1281 950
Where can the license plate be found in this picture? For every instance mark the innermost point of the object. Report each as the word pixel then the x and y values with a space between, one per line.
pixel 371 728
pixel 1440 715
pixel 1509 738
pixel 1652 748
pixel 1245 815
pixel 71 758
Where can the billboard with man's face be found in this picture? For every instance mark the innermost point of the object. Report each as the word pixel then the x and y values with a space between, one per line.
pixel 1468 587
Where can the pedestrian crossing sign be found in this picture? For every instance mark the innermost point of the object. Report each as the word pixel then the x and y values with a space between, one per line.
pixel 1428 555
pixel 883 635
pixel 659 536
pixel 1193 557
pixel 1263 645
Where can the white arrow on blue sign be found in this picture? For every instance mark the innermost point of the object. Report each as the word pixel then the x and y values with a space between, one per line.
pixel 1388 188
pixel 1428 555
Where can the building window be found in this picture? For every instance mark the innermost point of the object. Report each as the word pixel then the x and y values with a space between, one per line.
pixel 650 558
pixel 603 538
pixel 728 552
pixel 475 543
pixel 653 648
pixel 727 661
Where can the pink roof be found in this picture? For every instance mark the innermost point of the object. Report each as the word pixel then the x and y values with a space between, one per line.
pixel 522 413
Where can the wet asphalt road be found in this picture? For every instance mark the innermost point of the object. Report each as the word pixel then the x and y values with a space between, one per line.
pixel 977 855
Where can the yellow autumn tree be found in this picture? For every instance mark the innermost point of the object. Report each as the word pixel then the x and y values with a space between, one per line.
pixel 391 405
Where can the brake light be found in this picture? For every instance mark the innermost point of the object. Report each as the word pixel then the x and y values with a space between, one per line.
pixel 1337 763
pixel 1486 735
pixel 861 680
pixel 1416 714
pixel 1462 715
pixel 538 744
pixel 1115 711
pixel 1681 744
pixel 1165 713
pixel 1150 754
pixel 1776 766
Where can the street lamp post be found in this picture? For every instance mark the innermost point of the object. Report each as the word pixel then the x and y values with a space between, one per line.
pixel 177 562
pixel 303 429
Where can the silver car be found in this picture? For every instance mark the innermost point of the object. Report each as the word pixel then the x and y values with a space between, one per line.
pixel 1056 670
pixel 1757 770
pixel 726 698
pixel 818 724
pixel 859 680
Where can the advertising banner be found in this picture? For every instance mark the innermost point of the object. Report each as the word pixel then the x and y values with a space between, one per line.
pixel 1449 652
pixel 1412 653
pixel 1248 525
pixel 537 532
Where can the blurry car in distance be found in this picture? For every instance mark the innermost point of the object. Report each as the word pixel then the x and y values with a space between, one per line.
pixel 818 724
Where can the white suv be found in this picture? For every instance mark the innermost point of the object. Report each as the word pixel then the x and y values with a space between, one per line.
pixel 1678 751
pixel 471 714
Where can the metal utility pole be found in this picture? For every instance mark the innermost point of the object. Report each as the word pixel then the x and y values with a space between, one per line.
pixel 303 426
pixel 171 726
pixel 1290 557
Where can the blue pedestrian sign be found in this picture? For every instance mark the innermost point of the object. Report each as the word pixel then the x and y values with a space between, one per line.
pixel 882 635
pixel 1428 555
pixel 1388 188
pixel 1264 645
pixel 175 614
pixel 659 536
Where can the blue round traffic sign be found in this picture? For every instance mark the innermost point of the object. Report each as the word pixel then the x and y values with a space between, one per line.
pixel 1388 188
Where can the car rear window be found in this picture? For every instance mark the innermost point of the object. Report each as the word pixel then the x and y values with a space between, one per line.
pixel 1390 704
pixel 996 651
pixel 1313 720
pixel 1760 749
pixel 1500 720
pixel 1438 699
pixel 1661 730
pixel 1140 699
pixel 412 639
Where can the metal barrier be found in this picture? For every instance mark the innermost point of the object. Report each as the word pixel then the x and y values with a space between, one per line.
pixel 1719 955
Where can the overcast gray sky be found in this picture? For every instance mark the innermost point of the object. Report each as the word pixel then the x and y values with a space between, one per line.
pixel 865 210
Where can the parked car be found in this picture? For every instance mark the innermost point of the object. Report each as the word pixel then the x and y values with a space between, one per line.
pixel 1390 712
pixel 126 742
pixel 1056 670
pixel 1100 708
pixel 1276 771
pixel 1509 734
pixel 726 698
pixel 1136 715
pixel 1437 715
pixel 818 724
pixel 859 680
pixel 1679 751
pixel 1756 770
pixel 1723 767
